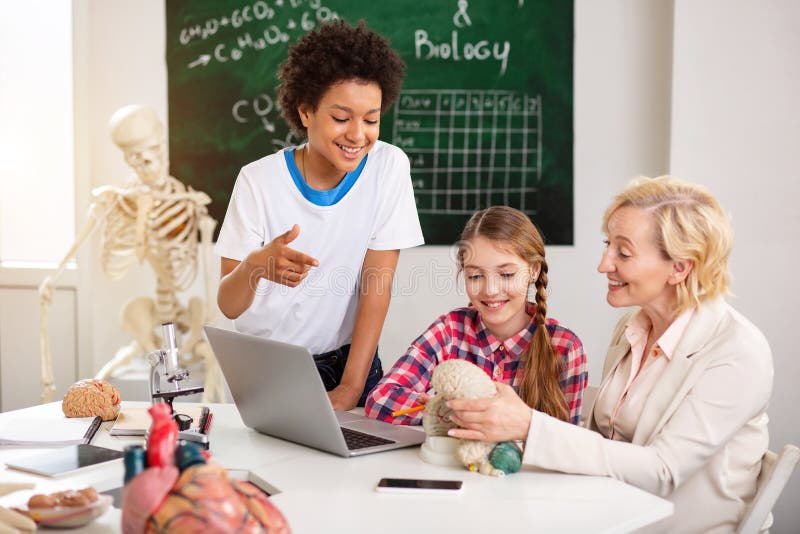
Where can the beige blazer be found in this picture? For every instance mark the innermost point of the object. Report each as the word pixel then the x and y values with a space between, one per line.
pixel 703 428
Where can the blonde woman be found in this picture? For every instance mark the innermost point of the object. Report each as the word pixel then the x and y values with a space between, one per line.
pixel 681 410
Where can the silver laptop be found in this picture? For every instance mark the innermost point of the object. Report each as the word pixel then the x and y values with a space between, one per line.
pixel 279 392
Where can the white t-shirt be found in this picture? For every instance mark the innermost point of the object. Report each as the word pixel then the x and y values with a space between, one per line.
pixel 378 212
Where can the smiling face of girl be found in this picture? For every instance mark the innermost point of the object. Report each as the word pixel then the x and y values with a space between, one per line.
pixel 497 281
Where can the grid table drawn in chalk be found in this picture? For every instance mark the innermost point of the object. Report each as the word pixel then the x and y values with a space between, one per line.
pixel 471 149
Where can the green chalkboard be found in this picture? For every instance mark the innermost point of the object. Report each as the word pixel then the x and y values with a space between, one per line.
pixel 485 115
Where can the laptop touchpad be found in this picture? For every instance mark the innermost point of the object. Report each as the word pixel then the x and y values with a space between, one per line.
pixel 347 417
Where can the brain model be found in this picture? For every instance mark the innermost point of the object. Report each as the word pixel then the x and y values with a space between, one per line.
pixel 460 379
pixel 90 398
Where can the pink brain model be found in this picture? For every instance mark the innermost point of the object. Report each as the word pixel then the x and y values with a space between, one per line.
pixel 90 398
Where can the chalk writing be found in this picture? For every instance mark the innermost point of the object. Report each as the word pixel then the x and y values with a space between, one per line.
pixel 482 50
pixel 264 34
pixel 260 106
pixel 461 17
pixel 256 11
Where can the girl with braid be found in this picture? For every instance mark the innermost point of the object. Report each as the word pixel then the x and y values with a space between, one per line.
pixel 505 329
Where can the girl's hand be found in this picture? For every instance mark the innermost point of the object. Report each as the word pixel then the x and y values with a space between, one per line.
pixel 281 264
pixel 504 417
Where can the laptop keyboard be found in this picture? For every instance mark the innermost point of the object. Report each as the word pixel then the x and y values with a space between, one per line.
pixel 359 440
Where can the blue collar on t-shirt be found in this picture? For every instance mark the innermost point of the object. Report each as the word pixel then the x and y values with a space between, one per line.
pixel 322 198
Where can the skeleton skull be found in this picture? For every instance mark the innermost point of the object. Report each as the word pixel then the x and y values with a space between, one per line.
pixel 138 132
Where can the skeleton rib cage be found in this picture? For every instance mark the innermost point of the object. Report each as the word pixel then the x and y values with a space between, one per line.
pixel 167 237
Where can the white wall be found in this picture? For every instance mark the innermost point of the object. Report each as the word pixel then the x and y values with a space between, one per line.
pixel 736 129
pixel 725 119
pixel 126 49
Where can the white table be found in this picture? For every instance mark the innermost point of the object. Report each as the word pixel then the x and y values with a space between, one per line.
pixel 320 492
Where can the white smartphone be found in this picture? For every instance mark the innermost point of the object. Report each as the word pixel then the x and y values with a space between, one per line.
pixel 416 485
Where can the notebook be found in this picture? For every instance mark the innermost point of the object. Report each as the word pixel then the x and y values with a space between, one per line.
pixel 49 431
pixel 136 421
pixel 279 392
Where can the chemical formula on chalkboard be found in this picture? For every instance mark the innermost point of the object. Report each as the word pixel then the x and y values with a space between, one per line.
pixel 485 114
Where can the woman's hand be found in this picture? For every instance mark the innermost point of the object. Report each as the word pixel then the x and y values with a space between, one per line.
pixel 504 417
pixel 280 263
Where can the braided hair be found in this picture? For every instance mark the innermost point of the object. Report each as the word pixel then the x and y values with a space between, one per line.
pixel 541 366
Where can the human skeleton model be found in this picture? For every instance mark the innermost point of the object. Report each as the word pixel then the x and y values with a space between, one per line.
pixel 153 218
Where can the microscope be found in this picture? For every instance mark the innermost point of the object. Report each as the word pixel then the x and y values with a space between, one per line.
pixel 165 361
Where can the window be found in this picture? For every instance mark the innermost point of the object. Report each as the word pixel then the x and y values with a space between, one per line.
pixel 37 154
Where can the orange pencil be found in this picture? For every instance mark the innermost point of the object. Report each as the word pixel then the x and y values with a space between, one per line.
pixel 408 410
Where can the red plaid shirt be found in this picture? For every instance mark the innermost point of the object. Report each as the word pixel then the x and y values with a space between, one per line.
pixel 462 334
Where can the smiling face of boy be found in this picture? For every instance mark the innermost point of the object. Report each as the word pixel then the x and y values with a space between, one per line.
pixel 341 130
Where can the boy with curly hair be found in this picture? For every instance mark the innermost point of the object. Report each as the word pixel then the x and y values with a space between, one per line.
pixel 312 235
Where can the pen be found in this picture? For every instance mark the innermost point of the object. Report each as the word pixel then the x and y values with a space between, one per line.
pixel 204 413
pixel 207 426
pixel 92 430
pixel 408 410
